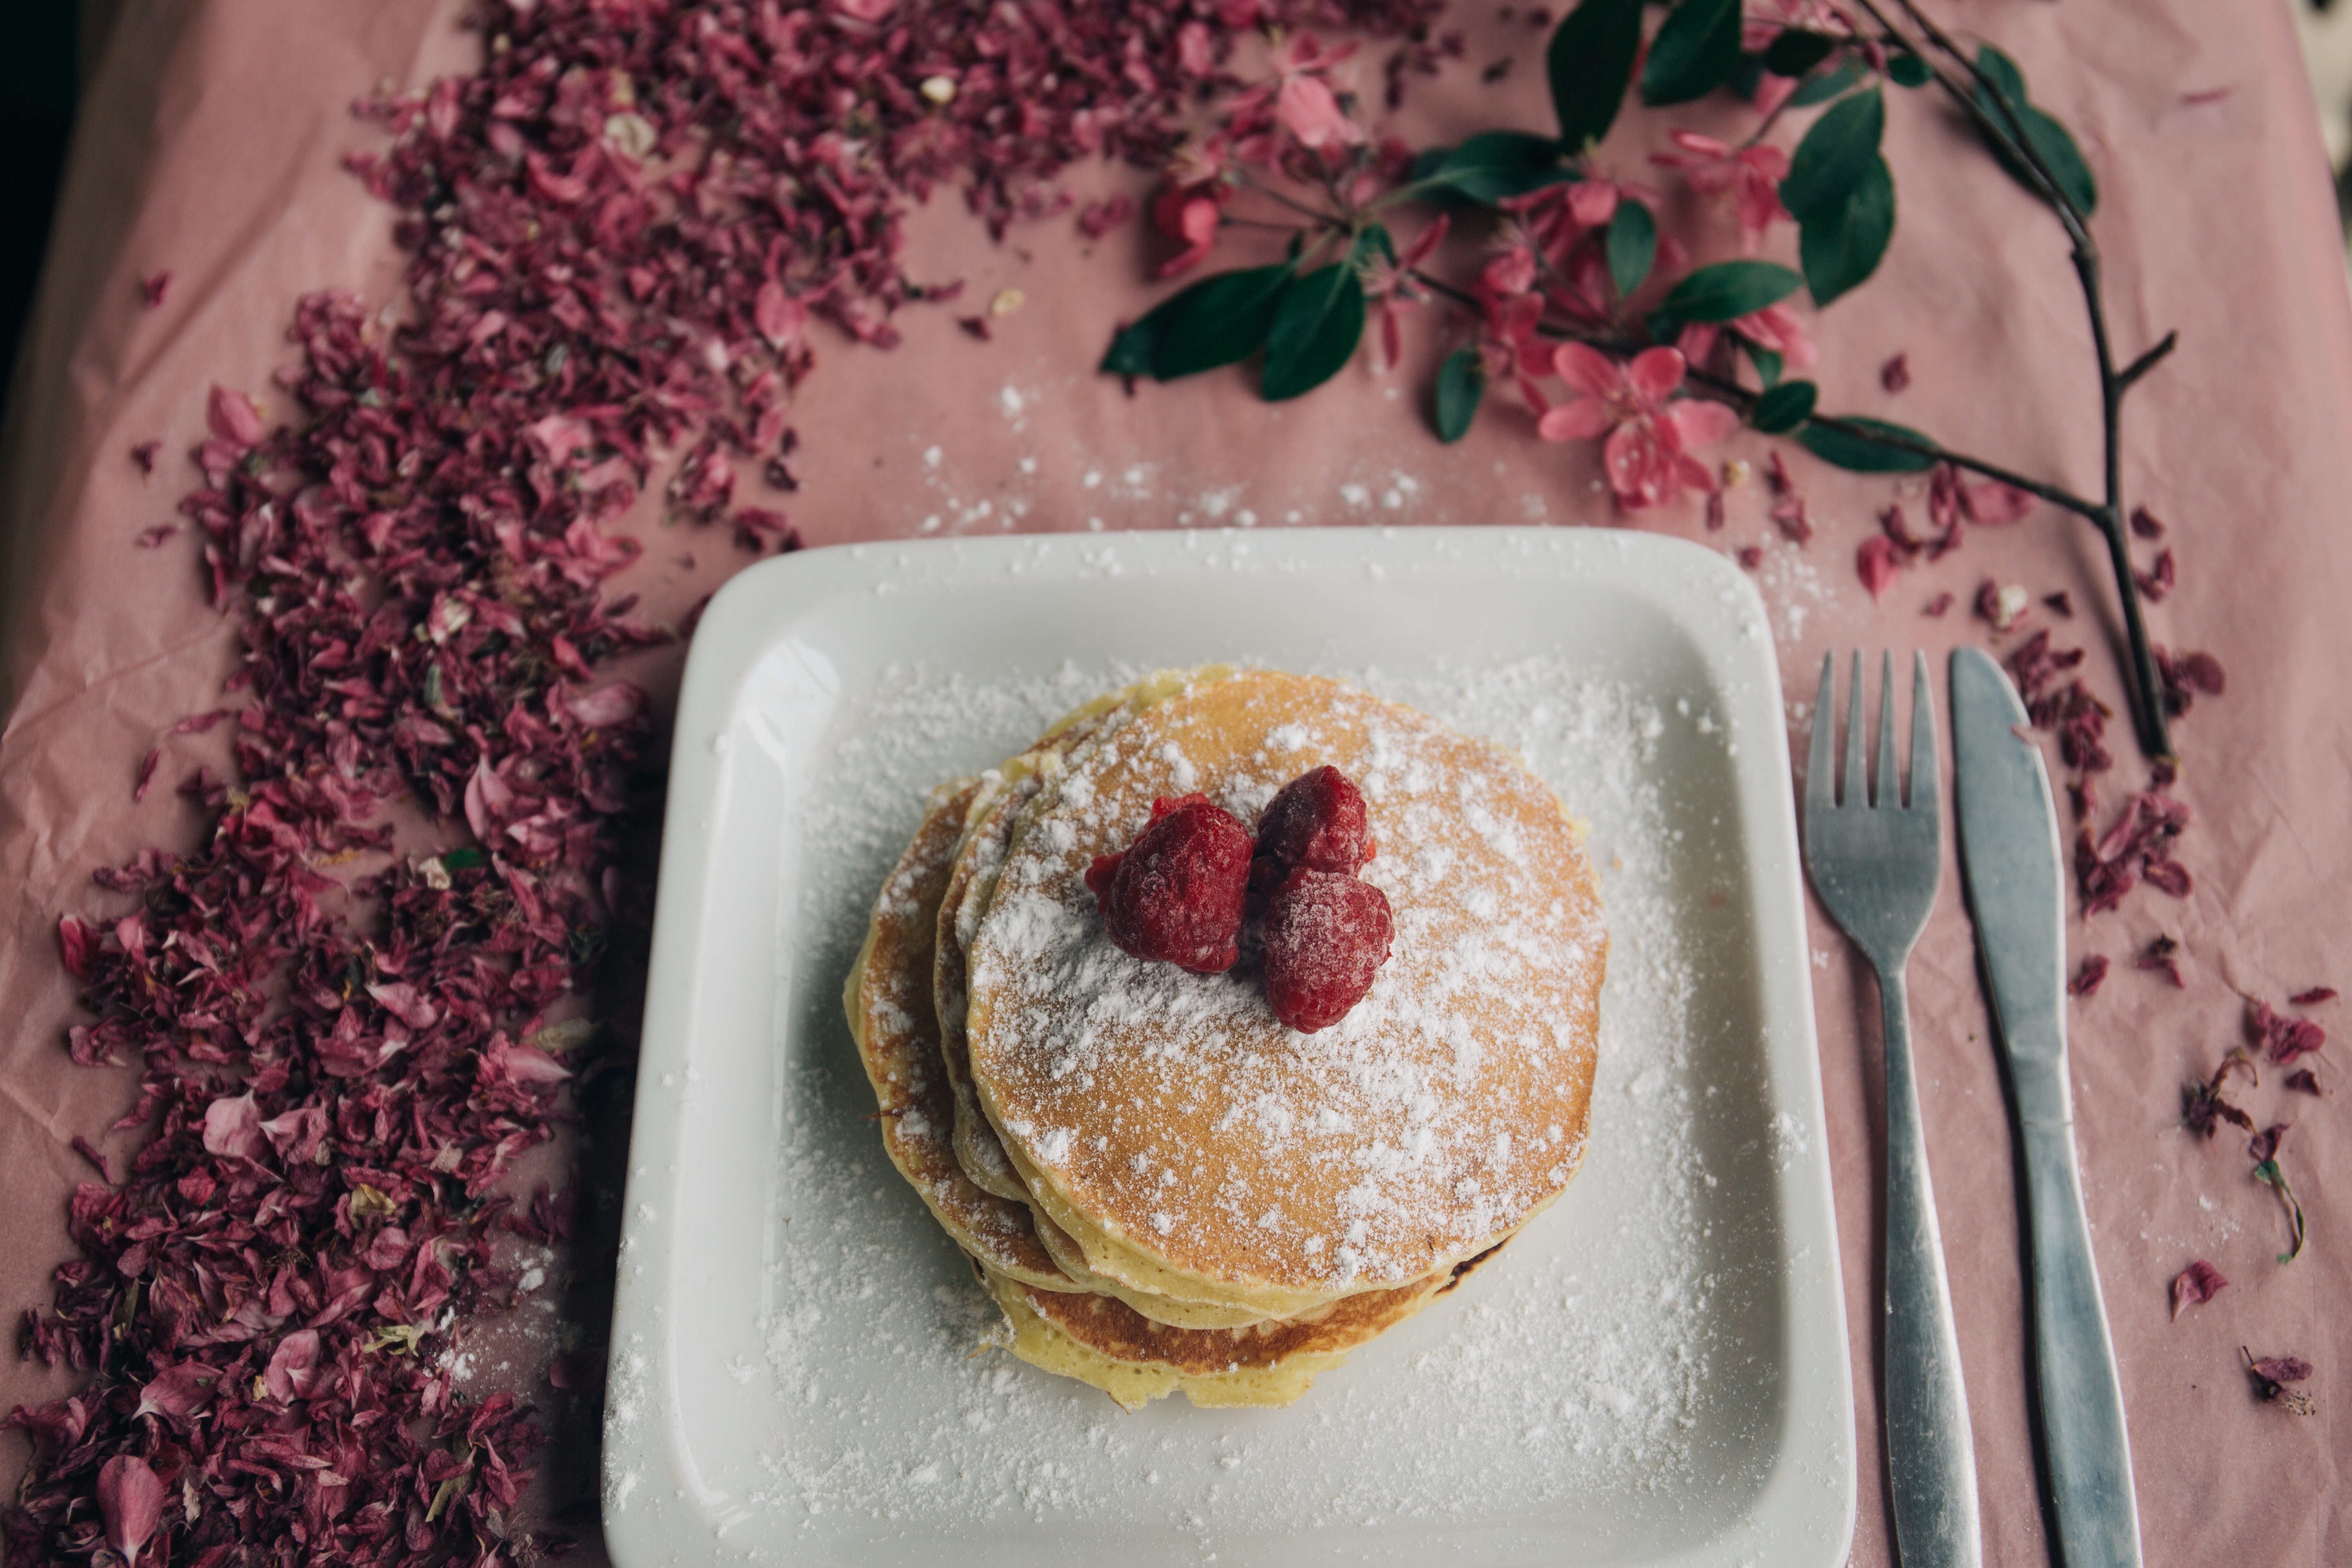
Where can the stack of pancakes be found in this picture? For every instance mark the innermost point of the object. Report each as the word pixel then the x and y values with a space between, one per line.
pixel 1163 1184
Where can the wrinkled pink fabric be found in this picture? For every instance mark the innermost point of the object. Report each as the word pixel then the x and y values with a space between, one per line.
pixel 210 148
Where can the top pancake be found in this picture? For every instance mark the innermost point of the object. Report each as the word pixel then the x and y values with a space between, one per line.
pixel 1194 1143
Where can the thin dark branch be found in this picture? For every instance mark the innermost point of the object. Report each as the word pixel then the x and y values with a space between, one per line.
pixel 2003 125
pixel 2151 360
pixel 1731 391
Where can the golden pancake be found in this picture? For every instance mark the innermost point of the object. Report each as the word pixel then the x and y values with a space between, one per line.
pixel 1191 1144
pixel 888 999
pixel 1103 1341
pixel 979 856
pixel 1135 1361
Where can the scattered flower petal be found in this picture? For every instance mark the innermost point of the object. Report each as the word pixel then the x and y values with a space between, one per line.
pixel 2194 1285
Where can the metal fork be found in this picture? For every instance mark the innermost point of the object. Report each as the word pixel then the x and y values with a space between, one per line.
pixel 1876 863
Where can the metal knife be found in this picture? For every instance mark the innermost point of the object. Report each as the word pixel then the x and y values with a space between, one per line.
pixel 2010 860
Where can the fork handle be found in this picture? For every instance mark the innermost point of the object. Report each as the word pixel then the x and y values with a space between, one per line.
pixel 1930 1459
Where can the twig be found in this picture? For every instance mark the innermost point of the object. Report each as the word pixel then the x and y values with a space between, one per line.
pixel 2005 127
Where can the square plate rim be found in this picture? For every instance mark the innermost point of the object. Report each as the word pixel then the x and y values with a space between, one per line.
pixel 1690 584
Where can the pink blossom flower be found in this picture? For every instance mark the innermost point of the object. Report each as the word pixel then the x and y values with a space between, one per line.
pixel 1593 202
pixel 1646 435
pixel 1304 103
pixel 1189 216
pixel 1775 327
pixel 1390 283
pixel 1751 177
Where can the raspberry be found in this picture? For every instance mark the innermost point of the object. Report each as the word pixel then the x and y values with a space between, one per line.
pixel 1325 935
pixel 1176 893
pixel 1318 822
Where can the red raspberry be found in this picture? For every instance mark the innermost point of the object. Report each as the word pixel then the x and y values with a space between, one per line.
pixel 1176 893
pixel 1325 935
pixel 1318 822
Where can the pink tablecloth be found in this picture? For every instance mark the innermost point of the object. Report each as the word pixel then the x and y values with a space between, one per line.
pixel 210 146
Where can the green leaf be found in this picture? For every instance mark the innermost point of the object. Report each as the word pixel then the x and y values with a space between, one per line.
pixel 1746 78
pixel 1494 165
pixel 1840 248
pixel 1590 61
pixel 1729 289
pixel 1218 321
pixel 1795 51
pixel 1822 88
pixel 459 858
pixel 1843 450
pixel 1633 245
pixel 1784 407
pixel 2045 136
pixel 1461 383
pixel 1316 324
pixel 1766 361
pixel 1695 52
pixel 1907 70
pixel 1835 156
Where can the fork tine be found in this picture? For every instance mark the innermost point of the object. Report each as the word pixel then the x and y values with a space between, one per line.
pixel 1821 757
pixel 1889 793
pixel 1926 790
pixel 1857 782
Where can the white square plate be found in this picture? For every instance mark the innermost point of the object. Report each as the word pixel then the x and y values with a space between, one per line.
pixel 1654 1371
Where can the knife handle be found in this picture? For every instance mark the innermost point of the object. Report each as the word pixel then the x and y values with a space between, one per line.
pixel 2081 1401
pixel 1930 1454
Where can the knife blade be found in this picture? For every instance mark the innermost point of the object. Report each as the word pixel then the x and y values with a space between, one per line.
pixel 2010 864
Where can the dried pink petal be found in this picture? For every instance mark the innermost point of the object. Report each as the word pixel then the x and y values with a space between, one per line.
pixel 2312 997
pixel 2264 1144
pixel 1875 561
pixel 2284 1039
pixel 1939 606
pixel 1098 218
pixel 78 941
pixel 1895 374
pixel 154 286
pixel 178 1391
pixel 233 417
pixel 1995 502
pixel 131 1502
pixel 233 1127
pixel 2273 1374
pixel 2144 523
pixel 1788 513
pixel 143 454
pixel 2090 976
pixel 293 1366
pixel 2194 1285
pixel 2302 1081
pixel 146 772
pixel 1751 556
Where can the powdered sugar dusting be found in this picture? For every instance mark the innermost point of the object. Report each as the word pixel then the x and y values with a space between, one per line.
pixel 1585 1377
